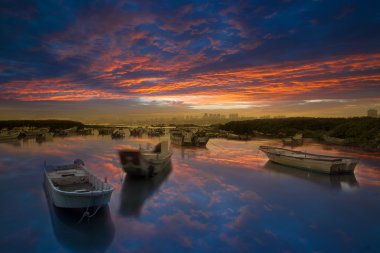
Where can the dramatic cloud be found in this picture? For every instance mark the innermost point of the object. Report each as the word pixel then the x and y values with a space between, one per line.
pixel 196 56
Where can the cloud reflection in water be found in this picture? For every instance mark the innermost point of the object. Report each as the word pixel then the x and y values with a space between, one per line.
pixel 224 198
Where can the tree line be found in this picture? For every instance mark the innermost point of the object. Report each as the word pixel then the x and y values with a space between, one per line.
pixel 52 124
pixel 358 131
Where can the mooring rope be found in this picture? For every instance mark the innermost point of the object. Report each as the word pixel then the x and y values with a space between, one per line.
pixel 87 212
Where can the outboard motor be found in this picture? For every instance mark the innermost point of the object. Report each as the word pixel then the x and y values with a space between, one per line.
pixel 128 157
pixel 78 162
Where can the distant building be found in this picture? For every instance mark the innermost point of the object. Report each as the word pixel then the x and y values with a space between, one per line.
pixel 372 113
pixel 214 116
pixel 233 116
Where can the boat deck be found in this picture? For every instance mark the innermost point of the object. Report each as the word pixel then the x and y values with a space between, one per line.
pixel 77 187
pixel 71 180
pixel 308 156
pixel 299 154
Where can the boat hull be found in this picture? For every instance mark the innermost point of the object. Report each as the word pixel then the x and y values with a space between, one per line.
pixel 194 142
pixel 327 166
pixel 322 167
pixel 9 136
pixel 333 140
pixel 138 165
pixel 67 188
pixel 72 200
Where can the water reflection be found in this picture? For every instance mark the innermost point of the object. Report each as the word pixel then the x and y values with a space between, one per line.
pixel 13 142
pixel 188 153
pixel 335 181
pixel 43 139
pixel 135 191
pixel 88 235
pixel 225 198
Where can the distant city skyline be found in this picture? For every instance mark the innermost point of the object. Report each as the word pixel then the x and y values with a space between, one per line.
pixel 111 61
pixel 211 117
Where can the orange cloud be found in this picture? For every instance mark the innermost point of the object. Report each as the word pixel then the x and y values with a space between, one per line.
pixel 245 85
pixel 280 80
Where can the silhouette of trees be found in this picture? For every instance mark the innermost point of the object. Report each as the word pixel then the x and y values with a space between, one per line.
pixel 52 124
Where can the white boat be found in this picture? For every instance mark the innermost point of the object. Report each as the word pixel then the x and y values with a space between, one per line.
pixel 137 132
pixel 8 135
pixel 71 131
pixel 106 131
pixel 333 140
pixel 33 132
pixel 186 137
pixel 85 131
pixel 145 163
pixel 296 140
pixel 238 137
pixel 74 186
pixel 312 162
pixel 118 134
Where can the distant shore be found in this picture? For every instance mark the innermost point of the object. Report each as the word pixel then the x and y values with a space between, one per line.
pixel 51 123
pixel 362 132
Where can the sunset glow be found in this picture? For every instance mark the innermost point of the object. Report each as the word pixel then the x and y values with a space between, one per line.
pixel 219 56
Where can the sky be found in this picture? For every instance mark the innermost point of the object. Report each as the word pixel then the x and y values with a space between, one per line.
pixel 117 60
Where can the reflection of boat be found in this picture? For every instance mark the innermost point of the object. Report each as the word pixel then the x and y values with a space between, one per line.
pixel 190 153
pixel 296 140
pixel 335 181
pixel 145 162
pixel 74 186
pixel 90 235
pixel 44 137
pixel 135 191
pixel 186 137
pixel 313 162
pixel 13 142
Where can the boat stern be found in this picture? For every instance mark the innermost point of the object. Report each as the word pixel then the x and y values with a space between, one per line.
pixel 129 158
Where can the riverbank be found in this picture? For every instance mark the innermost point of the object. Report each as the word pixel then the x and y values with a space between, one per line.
pixel 362 132
pixel 53 124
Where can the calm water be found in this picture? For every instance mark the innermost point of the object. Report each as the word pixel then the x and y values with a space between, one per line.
pixel 226 198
